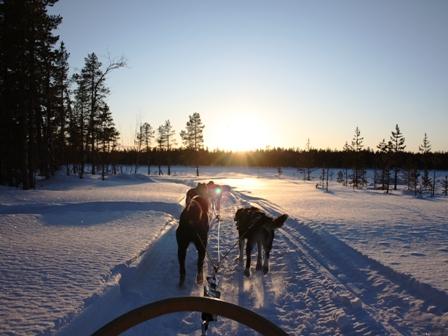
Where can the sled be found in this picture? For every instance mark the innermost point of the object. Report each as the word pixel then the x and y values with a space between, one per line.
pixel 190 303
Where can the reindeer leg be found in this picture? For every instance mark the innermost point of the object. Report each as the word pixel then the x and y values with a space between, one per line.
pixel 241 245
pixel 248 253
pixel 266 262
pixel 201 246
pixel 181 254
pixel 182 244
pixel 258 267
pixel 200 275
pixel 267 252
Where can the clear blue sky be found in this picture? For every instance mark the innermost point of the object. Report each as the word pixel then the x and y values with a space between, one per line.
pixel 285 70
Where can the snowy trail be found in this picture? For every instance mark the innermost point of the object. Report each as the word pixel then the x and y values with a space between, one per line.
pixel 156 276
pixel 153 278
pixel 317 285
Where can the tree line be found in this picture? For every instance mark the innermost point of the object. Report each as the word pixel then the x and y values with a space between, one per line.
pixel 392 163
pixel 165 150
pixel 276 157
pixel 51 119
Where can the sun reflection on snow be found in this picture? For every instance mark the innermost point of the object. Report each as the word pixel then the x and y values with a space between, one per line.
pixel 246 183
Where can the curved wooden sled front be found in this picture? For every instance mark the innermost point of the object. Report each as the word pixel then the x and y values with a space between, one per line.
pixel 190 303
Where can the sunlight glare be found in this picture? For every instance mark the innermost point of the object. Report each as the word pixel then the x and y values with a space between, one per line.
pixel 246 132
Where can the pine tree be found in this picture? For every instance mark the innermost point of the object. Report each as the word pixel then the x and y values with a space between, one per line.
pixel 94 78
pixel 397 146
pixel 357 141
pixel 96 92
pixel 62 104
pixel 26 70
pixel 78 124
pixel 426 181
pixel 384 150
pixel 160 147
pixel 107 136
pixel 444 184
pixel 359 173
pixel 425 150
pixel 148 136
pixel 143 140
pixel 138 143
pixel 347 149
pixel 165 137
pixel 166 142
pixel 193 137
pixel 308 161
pixel 90 99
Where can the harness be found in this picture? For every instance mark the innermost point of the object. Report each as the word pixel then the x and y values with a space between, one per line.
pixel 211 287
pixel 196 214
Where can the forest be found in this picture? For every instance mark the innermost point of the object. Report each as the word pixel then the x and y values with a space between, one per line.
pixel 53 119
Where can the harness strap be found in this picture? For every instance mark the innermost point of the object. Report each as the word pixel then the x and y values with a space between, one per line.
pixel 212 288
pixel 215 268
pixel 234 245
pixel 217 265
pixel 219 252
pixel 196 202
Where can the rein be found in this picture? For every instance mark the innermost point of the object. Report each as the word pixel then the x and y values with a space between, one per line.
pixel 217 265
pixel 211 288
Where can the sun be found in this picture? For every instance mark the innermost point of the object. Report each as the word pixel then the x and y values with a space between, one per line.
pixel 246 132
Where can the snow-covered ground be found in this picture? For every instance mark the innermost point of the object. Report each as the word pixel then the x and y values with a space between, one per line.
pixel 61 244
pixel 74 254
pixel 406 233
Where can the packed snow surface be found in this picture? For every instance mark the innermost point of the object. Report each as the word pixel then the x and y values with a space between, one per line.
pixel 75 254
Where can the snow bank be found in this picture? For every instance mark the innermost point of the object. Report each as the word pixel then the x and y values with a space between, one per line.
pixel 61 246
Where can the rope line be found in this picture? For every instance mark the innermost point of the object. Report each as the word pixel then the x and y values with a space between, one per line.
pixel 212 288
pixel 217 265
pixel 234 245
pixel 207 254
pixel 219 239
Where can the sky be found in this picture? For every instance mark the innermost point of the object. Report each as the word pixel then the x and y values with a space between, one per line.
pixel 271 73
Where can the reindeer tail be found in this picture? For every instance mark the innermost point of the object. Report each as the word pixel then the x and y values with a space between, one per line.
pixel 278 222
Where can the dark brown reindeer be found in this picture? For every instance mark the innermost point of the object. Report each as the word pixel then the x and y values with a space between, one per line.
pixel 256 227
pixel 201 190
pixel 193 228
